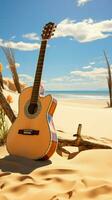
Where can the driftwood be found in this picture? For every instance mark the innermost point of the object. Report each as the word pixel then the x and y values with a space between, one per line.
pixel 1 81
pixel 1 78
pixel 12 65
pixel 109 80
pixel 79 142
pixel 6 107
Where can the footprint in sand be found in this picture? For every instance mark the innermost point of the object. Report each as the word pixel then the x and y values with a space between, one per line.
pixel 63 196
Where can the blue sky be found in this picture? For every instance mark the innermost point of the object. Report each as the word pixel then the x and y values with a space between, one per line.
pixel 74 59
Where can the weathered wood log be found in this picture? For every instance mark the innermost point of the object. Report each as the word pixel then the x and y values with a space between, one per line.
pixel 79 142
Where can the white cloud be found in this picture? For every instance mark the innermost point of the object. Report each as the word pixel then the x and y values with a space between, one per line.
pixel 92 63
pixel 93 78
pixel 16 64
pixel 19 45
pixel 29 80
pixel 26 79
pixel 31 36
pixel 80 75
pixel 87 67
pixel 86 30
pixel 82 2
pixel 77 85
pixel 95 73
pixel 13 37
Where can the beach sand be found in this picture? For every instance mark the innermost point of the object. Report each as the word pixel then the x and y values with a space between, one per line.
pixel 85 177
pixel 94 115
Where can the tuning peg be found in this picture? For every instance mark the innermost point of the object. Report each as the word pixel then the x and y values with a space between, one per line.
pixel 45 29
pixel 51 23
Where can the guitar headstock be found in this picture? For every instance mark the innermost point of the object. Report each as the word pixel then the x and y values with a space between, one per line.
pixel 48 31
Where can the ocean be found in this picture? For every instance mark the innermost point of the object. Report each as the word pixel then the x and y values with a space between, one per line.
pixel 80 94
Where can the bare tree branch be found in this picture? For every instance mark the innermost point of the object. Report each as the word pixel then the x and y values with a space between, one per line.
pixel 12 65
pixel 109 79
pixel 6 107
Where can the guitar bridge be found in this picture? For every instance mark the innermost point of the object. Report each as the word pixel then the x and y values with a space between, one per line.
pixel 28 132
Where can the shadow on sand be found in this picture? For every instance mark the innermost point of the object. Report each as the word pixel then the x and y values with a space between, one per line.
pixel 21 165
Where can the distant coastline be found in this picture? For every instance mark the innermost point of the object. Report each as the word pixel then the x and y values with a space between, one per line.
pixel 80 94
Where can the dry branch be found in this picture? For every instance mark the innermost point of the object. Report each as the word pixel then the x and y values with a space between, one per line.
pixel 109 79
pixel 6 107
pixel 79 142
pixel 1 78
pixel 12 65
pixel 1 81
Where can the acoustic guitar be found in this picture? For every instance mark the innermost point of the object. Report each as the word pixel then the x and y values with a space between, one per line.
pixel 33 135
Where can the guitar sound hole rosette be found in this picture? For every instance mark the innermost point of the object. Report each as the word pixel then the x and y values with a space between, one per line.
pixel 34 114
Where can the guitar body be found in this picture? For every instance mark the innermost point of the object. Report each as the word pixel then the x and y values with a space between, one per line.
pixel 33 135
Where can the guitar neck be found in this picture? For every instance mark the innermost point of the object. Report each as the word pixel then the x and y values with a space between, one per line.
pixel 38 74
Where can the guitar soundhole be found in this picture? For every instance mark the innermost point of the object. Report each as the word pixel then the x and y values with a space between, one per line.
pixel 32 109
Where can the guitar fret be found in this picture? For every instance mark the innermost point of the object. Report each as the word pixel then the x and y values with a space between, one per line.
pixel 39 71
pixel 40 67
pixel 42 49
pixel 37 82
pixel 42 54
pixel 41 59
pixel 40 62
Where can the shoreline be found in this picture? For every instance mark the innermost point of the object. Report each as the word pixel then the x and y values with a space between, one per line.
pixel 98 103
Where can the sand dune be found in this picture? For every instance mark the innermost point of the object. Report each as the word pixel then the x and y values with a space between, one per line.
pixel 87 176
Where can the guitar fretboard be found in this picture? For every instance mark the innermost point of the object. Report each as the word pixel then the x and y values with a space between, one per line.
pixel 37 80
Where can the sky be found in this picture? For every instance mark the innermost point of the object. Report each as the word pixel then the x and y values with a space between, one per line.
pixel 74 58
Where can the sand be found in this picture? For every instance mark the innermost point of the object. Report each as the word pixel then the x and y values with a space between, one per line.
pixel 95 117
pixel 85 177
